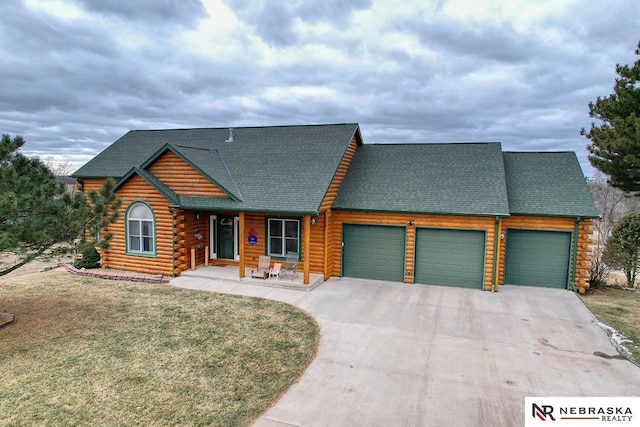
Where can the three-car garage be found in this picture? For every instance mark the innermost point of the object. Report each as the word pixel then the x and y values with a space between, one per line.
pixel 454 257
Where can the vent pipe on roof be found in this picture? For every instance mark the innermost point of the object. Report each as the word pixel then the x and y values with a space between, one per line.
pixel 230 135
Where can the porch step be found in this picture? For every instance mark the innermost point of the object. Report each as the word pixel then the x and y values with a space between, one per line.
pixel 230 274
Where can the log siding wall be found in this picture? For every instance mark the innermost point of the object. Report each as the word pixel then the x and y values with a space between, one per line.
pixel 175 231
pixel 137 189
pixel 182 178
pixel 259 223
pixel 332 192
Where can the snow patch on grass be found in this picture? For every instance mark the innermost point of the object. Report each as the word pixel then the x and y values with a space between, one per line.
pixel 618 340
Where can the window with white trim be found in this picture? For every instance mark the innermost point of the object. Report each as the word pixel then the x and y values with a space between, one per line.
pixel 140 229
pixel 283 236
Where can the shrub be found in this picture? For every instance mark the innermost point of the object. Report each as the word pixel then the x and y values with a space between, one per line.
pixel 599 270
pixel 90 256
pixel 622 249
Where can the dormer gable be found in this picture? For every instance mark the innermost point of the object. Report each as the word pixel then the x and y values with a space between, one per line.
pixel 172 165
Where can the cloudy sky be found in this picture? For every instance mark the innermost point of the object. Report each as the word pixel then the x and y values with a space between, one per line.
pixel 75 75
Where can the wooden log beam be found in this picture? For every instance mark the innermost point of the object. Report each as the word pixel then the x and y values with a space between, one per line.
pixel 306 246
pixel 241 237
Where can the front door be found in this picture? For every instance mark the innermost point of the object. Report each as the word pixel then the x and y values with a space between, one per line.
pixel 225 237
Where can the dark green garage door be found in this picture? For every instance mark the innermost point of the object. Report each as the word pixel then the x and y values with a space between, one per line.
pixel 373 252
pixel 537 258
pixel 449 257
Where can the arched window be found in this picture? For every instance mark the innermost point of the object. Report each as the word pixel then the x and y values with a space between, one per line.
pixel 140 230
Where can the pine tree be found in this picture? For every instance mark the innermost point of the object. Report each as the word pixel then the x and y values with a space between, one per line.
pixel 35 211
pixel 615 142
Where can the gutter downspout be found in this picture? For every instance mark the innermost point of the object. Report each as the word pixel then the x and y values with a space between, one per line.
pixel 496 242
pixel 575 254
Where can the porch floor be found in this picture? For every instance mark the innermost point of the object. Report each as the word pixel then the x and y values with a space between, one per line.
pixel 230 273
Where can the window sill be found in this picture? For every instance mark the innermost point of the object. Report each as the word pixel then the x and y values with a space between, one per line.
pixel 142 254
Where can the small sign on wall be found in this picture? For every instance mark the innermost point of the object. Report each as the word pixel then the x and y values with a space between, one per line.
pixel 253 238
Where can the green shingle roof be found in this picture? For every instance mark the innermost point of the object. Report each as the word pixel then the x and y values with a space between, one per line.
pixel 273 169
pixel 288 169
pixel 466 179
pixel 549 183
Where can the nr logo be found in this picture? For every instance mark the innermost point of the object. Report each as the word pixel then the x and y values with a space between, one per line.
pixel 542 412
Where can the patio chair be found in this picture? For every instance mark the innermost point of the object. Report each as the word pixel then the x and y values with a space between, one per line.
pixel 275 271
pixel 290 266
pixel 262 270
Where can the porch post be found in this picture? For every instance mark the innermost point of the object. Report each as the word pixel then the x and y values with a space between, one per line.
pixel 306 246
pixel 241 244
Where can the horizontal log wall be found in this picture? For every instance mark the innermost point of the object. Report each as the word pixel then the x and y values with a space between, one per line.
pixel 137 189
pixel 88 184
pixel 585 251
pixel 316 249
pixel 328 243
pixel 339 176
pixel 585 234
pixel 255 222
pixel 259 221
pixel 182 178
pixel 191 225
pixel 441 221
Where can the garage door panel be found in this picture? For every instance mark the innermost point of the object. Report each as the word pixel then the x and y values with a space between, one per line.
pixel 537 258
pixel 373 252
pixel 449 257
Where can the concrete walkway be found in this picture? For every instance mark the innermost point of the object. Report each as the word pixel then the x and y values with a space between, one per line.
pixel 398 355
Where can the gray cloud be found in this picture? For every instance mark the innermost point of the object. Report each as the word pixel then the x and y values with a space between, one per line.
pixel 274 21
pixel 73 85
pixel 163 12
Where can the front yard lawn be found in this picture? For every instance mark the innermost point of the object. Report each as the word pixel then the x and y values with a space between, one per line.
pixel 618 309
pixel 87 351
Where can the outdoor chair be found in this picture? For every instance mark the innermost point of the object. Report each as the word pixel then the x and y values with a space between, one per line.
pixel 262 270
pixel 275 271
pixel 290 266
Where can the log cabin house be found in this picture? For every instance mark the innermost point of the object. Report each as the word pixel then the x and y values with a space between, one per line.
pixel 455 214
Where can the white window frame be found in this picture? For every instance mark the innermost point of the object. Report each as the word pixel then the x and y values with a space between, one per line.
pixel 283 221
pixel 140 237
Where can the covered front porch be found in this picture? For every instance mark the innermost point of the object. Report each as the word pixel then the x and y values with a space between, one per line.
pixel 231 273
pixel 226 244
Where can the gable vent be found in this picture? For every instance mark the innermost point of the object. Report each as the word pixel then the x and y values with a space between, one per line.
pixel 230 135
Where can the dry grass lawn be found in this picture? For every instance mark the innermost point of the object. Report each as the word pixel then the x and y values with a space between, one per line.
pixel 94 352
pixel 619 309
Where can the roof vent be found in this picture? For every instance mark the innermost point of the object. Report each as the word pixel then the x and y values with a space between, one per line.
pixel 230 135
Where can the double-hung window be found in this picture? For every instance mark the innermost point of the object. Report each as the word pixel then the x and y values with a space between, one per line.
pixel 284 236
pixel 140 230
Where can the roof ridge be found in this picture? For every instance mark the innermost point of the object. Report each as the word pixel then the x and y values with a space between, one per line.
pixel 540 152
pixel 226 168
pixel 245 127
pixel 435 143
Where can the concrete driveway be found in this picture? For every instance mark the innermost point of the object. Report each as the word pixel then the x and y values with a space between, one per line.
pixel 398 355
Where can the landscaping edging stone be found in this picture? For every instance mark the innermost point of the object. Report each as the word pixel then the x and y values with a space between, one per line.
pixel 111 275
pixel 6 319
